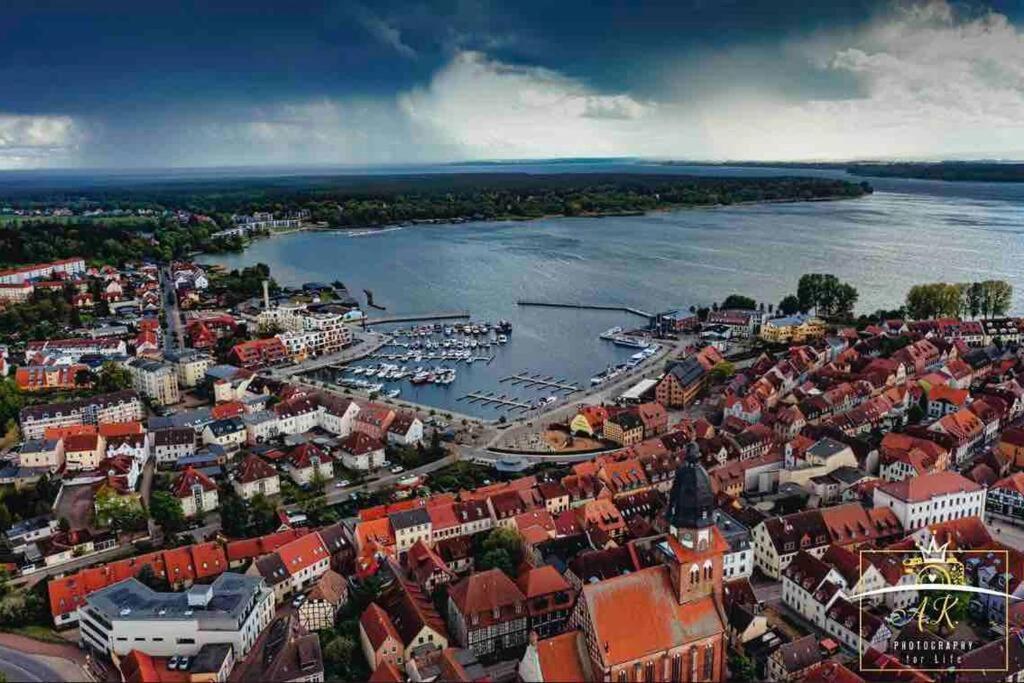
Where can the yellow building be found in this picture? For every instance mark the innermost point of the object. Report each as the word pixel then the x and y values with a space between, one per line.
pixel 794 329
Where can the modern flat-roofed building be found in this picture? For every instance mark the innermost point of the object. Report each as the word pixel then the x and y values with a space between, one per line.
pixel 129 615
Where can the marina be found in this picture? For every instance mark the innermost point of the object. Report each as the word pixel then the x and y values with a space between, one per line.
pixel 492 398
pixel 549 382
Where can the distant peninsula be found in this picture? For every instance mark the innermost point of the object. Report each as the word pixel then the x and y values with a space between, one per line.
pixel 952 171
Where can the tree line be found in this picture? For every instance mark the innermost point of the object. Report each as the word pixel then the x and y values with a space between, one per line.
pixel 986 299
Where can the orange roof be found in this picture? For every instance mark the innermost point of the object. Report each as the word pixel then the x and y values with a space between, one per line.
pixel 443 516
pixel 925 487
pixel 109 429
pixel 186 480
pixel 635 615
pixel 178 562
pixel 564 657
pixel 70 430
pixel 229 409
pixel 944 392
pixel 374 531
pixel 378 626
pixel 254 547
pixel 303 552
pixel 81 442
pixel 540 581
pixel 208 559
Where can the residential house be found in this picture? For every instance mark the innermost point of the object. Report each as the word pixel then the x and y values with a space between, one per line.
pixel 487 613
pixel 84 451
pixel 308 462
pixel 931 498
pixel 405 430
pixel 196 491
pixel 323 603
pixel 360 451
pixel 254 476
pixel 173 444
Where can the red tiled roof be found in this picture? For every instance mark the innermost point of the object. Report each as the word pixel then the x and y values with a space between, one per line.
pixel 482 593
pixel 300 455
pixel 540 581
pixel 303 552
pixel 253 468
pixel 358 443
pixel 186 480
pixel 925 487
pixel 208 559
pixel 81 442
pixel 637 614
pixel 254 547
pixel 378 627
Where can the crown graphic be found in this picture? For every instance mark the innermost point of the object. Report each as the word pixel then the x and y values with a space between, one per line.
pixel 932 554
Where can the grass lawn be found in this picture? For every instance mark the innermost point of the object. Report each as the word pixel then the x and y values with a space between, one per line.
pixel 34 631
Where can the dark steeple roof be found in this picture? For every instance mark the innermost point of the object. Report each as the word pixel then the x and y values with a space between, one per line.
pixel 692 501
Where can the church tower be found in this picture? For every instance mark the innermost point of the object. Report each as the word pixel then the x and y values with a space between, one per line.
pixel 696 546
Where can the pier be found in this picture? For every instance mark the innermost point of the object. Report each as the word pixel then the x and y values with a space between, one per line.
pixel 549 382
pixel 491 399
pixel 583 306
pixel 415 317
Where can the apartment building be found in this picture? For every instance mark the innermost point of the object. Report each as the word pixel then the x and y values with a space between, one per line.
pixel 119 406
pixel 155 380
pixel 129 615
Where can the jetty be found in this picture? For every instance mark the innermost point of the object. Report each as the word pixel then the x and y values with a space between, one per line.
pixel 415 317
pixel 490 398
pixel 585 306
pixel 538 380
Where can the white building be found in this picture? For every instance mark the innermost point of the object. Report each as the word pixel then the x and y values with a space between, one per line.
pixel 48 453
pixel 170 445
pixel 931 498
pixel 129 615
pixel 119 406
pixel 196 491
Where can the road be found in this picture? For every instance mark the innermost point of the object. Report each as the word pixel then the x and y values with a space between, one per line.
pixel 174 337
pixel 336 495
pixel 18 666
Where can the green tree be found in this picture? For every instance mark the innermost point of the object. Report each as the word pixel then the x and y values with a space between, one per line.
pixel 166 511
pixel 741 669
pixel 498 558
pixel 120 513
pixel 845 298
pixel 790 305
pixel 11 403
pixel 338 654
pixel 113 377
pixel 973 298
pixel 722 371
pixel 739 301
pixel 262 515
pixel 84 377
pixel 234 516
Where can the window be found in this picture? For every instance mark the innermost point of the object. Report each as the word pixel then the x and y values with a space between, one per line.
pixel 693 663
pixel 677 668
pixel 186 641
pixel 709 661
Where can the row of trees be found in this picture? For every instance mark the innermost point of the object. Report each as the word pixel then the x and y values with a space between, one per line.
pixel 959 299
pixel 826 294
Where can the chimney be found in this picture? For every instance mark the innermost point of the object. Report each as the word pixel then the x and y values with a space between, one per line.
pixel 266 295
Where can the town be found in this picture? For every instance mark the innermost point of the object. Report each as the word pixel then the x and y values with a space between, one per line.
pixel 183 502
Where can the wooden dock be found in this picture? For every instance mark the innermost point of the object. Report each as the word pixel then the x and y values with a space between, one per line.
pixel 585 306
pixel 549 382
pixel 490 398
pixel 416 317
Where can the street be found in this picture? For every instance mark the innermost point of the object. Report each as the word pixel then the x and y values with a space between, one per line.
pixel 174 337
pixel 18 666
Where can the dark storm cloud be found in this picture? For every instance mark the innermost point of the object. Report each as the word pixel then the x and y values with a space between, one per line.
pixel 208 81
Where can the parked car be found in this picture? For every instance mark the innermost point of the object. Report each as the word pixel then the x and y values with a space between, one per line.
pixel 184 663
pixel 344 482
pixel 298 600
pixel 172 663
pixel 397 469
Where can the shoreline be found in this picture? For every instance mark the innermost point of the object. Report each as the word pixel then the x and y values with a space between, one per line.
pixel 596 214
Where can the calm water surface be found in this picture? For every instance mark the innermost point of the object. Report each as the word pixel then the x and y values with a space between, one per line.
pixel 907 232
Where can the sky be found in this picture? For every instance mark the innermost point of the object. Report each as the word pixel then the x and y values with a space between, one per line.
pixel 113 83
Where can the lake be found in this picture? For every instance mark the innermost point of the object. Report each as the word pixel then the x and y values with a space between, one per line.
pixel 907 232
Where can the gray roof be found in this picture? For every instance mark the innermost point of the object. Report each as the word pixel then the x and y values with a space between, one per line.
pixel 222 371
pixel 186 418
pixel 228 425
pixel 39 445
pixel 132 599
pixel 210 658
pixel 687 372
pixel 271 567
pixel 28 525
pixel 826 448
pixel 409 518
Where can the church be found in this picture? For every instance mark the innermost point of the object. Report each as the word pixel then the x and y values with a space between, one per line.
pixel 664 622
